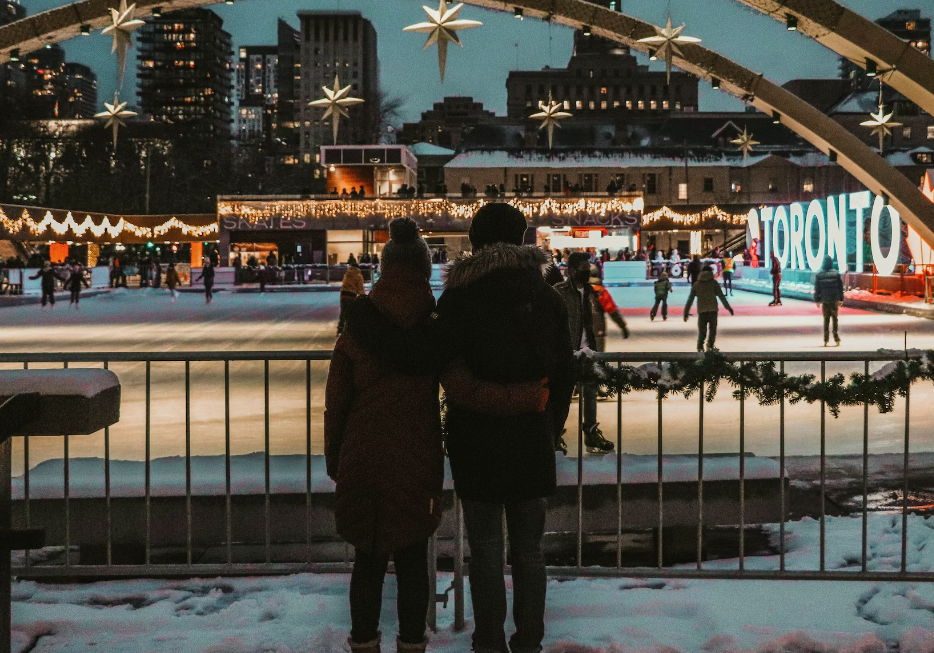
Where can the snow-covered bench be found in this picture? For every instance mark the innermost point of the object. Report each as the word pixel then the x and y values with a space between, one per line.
pixel 44 403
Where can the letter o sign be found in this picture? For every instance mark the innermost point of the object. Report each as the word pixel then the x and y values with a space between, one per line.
pixel 884 264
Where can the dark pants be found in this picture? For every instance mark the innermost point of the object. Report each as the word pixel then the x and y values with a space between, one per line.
pixel 48 296
pixel 526 525
pixel 209 291
pixel 777 288
pixel 664 303
pixel 412 593
pixel 590 405
pixel 830 311
pixel 706 328
pixel 728 281
pixel 75 296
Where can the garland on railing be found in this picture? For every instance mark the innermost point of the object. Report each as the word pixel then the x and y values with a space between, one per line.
pixel 763 380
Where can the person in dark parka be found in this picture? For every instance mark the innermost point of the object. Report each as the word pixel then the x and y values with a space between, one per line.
pixel 207 274
pixel 383 442
pixel 48 276
pixel 508 325
pixel 828 292
pixel 75 280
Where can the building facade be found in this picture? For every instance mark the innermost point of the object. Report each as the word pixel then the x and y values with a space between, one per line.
pixel 907 24
pixel 339 44
pixel 80 92
pixel 446 123
pixel 257 93
pixel 185 72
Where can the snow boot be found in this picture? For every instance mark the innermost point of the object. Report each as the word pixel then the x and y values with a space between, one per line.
pixel 594 441
pixel 402 647
pixel 368 647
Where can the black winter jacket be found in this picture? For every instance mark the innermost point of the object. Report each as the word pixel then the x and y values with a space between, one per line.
pixel 828 287
pixel 508 325
pixel 580 313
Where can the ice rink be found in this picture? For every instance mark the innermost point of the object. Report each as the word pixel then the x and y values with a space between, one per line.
pixel 146 320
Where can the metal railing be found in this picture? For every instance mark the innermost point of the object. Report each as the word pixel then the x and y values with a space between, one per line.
pixel 71 569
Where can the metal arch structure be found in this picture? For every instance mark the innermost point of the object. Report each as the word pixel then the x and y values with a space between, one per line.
pixel 826 135
pixel 857 38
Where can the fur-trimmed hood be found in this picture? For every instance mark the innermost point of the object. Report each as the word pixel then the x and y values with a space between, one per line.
pixel 469 268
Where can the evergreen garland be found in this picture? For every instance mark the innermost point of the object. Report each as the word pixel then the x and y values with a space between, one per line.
pixel 761 380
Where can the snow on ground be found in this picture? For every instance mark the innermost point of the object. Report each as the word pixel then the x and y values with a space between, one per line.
pixel 306 612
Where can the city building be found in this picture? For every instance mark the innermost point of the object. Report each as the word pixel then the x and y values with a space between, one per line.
pixel 79 86
pixel 257 93
pixel 446 123
pixel 603 81
pixel 337 44
pixel 11 10
pixel 184 72
pixel 288 84
pixel 906 24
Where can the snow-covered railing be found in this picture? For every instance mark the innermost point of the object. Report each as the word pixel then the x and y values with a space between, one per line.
pixel 663 492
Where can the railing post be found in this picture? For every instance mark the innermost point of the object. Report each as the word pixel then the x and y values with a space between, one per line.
pixel 700 480
pixel 458 565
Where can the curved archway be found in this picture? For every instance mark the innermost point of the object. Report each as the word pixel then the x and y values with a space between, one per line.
pixel 852 154
pixel 857 38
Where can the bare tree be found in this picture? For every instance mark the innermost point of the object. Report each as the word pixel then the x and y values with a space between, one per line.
pixel 386 119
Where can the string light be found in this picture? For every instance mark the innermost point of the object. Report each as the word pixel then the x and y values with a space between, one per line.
pixel 416 209
pixel 714 213
pixel 113 227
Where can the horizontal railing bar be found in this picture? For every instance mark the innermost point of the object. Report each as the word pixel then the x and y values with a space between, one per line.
pixel 324 355
pixel 735 574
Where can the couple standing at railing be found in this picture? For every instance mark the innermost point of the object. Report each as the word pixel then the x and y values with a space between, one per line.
pixel 500 344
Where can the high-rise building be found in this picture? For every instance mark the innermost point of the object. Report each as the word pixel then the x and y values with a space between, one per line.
pixel 288 84
pixel 185 73
pixel 257 92
pixel 44 71
pixel 908 25
pixel 79 92
pixel 602 81
pixel 447 123
pixel 338 44
pixel 12 74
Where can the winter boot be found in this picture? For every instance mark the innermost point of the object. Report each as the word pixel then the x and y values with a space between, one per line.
pixel 368 647
pixel 594 441
pixel 402 647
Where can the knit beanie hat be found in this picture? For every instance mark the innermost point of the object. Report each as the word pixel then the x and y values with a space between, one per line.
pixel 406 246
pixel 497 222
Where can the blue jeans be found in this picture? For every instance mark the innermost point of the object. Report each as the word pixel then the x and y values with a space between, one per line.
pixel 526 525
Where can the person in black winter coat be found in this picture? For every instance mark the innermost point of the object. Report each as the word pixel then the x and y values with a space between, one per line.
pixel 828 292
pixel 207 273
pixel 500 317
pixel 48 276
pixel 74 283
pixel 694 269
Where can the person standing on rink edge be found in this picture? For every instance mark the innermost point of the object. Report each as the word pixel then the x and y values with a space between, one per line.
pixel 776 273
pixel 662 288
pixel 828 292
pixel 707 291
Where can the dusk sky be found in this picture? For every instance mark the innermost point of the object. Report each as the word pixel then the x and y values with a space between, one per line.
pixel 490 52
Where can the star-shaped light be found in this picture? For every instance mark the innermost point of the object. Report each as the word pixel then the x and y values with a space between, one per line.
pixel 881 124
pixel 549 115
pixel 335 100
pixel 123 24
pixel 114 114
pixel 442 28
pixel 666 41
pixel 745 143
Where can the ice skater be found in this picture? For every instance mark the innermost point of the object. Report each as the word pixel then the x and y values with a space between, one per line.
pixel 776 273
pixel 207 274
pixel 172 281
pixel 707 291
pixel 728 274
pixel 828 292
pixel 48 276
pixel 73 285
pixel 662 288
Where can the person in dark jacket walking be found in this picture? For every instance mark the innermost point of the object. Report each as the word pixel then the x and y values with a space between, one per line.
pixel 707 291
pixel 579 297
pixel 776 273
pixel 73 285
pixel 207 274
pixel 508 325
pixel 694 269
pixel 662 288
pixel 172 280
pixel 828 292
pixel 383 442
pixel 48 276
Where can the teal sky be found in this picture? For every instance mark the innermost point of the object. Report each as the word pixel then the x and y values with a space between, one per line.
pixel 479 69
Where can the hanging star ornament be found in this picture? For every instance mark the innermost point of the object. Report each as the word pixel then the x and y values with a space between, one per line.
pixel 442 28
pixel 745 143
pixel 122 31
pixel 114 114
pixel 335 100
pixel 881 124
pixel 666 41
pixel 549 116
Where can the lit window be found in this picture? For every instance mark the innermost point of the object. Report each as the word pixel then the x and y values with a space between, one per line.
pixel 629 104
pixel 906 133
pixel 736 187
pixel 910 25
pixel 591 73
pixel 578 104
pixel 641 104
pixel 931 132
pixel 603 90
pixel 808 186
pixel 615 104
pixel 682 191
pixel 678 105
pixel 528 103
pixel 664 104
pixel 567 105
pixel 591 105
pixel 653 104
pixel 603 104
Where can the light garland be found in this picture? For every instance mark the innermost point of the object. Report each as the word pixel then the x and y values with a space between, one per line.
pixel 694 219
pixel 419 208
pixel 113 229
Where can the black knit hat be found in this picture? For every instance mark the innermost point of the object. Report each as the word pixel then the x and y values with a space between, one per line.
pixel 497 223
pixel 406 246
